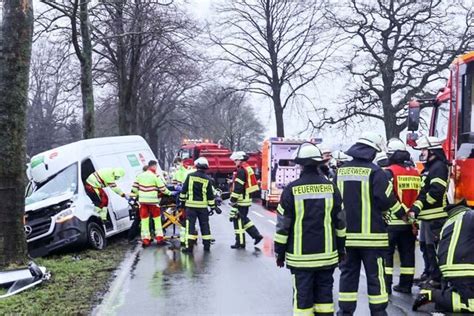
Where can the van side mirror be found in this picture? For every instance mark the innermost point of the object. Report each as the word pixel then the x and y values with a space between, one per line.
pixel 413 120
pixel 412 138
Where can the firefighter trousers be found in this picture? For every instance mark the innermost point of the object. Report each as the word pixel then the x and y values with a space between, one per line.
pixel 431 230
pixel 457 298
pixel 403 240
pixel 243 224
pixel 312 292
pixel 145 211
pixel 373 260
pixel 201 215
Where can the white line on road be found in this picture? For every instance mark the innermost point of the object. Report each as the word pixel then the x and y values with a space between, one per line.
pixel 273 222
pixel 258 214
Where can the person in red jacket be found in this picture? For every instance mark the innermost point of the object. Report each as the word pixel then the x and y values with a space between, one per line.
pixel 406 183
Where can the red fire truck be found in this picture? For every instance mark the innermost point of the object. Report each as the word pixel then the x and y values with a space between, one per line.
pixel 452 119
pixel 221 167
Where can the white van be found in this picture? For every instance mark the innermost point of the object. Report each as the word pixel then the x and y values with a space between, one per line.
pixel 58 211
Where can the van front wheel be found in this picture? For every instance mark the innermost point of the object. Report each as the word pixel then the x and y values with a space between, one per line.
pixel 96 236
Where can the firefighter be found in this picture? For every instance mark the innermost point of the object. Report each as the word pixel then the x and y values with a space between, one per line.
pixel 310 234
pixel 325 167
pixel 147 187
pixel 406 184
pixel 340 158
pixel 456 260
pixel 243 185
pixel 381 159
pixel 429 206
pixel 95 184
pixel 180 173
pixel 368 200
pixel 198 195
pixel 178 178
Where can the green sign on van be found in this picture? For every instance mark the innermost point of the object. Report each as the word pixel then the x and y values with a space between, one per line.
pixel 133 160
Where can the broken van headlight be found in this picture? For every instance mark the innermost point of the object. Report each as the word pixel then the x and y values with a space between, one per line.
pixel 64 216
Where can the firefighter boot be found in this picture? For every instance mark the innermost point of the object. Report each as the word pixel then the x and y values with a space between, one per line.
pixel 258 239
pixel 237 246
pixel 401 289
pixel 207 245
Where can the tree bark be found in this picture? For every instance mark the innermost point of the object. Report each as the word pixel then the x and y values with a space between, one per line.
pixel 280 125
pixel 86 72
pixel 15 53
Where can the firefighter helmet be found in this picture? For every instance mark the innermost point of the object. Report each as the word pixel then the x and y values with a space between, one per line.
pixel 308 154
pixel 395 144
pixel 239 155
pixel 201 163
pixel 429 142
pixel 372 139
pixel 381 159
pixel 340 156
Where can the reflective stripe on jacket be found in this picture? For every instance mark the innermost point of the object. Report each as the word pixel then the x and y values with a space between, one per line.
pixel 455 254
pixel 368 199
pixel 433 195
pixel 198 191
pixel 104 178
pixel 244 184
pixel 311 226
pixel 147 186
pixel 406 185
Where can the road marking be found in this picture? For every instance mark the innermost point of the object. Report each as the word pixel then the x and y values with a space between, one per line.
pixel 258 214
pixel 273 222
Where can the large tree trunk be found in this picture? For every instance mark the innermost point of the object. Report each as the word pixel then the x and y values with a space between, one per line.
pixel 15 52
pixel 280 125
pixel 86 73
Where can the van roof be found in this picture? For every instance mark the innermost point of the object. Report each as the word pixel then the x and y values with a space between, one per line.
pixel 58 158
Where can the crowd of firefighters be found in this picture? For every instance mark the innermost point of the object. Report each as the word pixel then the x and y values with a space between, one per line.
pixel 361 209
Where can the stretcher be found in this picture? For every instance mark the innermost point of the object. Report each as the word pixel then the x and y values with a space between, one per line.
pixel 172 215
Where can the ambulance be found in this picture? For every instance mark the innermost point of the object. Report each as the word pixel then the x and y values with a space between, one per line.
pixel 278 167
pixel 58 211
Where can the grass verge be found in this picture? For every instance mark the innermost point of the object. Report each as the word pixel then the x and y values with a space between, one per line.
pixel 78 282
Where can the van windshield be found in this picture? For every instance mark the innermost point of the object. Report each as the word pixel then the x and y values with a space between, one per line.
pixel 61 183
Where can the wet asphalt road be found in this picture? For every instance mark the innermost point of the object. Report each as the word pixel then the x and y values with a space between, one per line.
pixel 163 281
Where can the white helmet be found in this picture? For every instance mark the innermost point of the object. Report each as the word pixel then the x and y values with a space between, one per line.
pixel 380 157
pixel 429 142
pixel 372 139
pixel 395 144
pixel 340 156
pixel 308 154
pixel 239 155
pixel 201 163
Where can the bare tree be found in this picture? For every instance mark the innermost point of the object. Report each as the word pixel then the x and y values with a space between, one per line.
pixel 398 49
pixel 53 99
pixel 225 115
pixel 276 47
pixel 77 12
pixel 15 51
pixel 124 31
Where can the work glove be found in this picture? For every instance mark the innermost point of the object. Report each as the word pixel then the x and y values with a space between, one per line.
pixel 211 211
pixel 280 261
pixel 174 193
pixel 178 187
pixel 234 214
pixel 218 210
